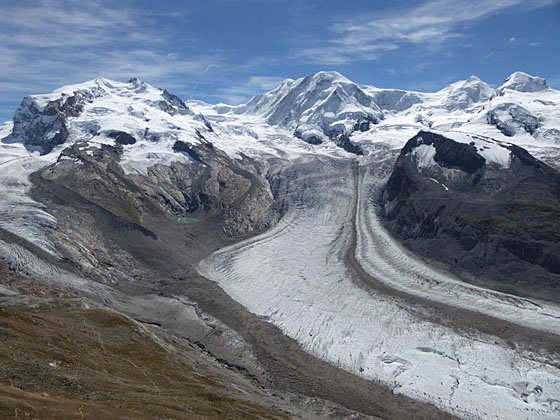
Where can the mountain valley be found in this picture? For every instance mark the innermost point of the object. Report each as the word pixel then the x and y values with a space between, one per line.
pixel 327 249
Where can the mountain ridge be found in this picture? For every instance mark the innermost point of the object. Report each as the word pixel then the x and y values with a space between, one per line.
pixel 268 219
pixel 317 108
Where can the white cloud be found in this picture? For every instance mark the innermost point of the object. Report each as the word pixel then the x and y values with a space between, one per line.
pixel 253 86
pixel 512 40
pixel 428 25
pixel 45 44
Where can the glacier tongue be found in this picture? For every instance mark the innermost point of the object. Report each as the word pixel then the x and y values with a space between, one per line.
pixel 302 284
pixel 19 214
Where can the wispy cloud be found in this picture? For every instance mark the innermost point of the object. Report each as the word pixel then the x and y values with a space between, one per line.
pixel 61 24
pixel 428 25
pixel 45 44
pixel 253 86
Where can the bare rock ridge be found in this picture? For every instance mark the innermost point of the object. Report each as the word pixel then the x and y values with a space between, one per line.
pixel 486 208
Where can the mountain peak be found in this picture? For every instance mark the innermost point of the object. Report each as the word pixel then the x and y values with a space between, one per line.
pixel 523 82
pixel 462 94
pixel 328 76
pixel 325 101
pixel 473 78
pixel 134 81
pixel 44 120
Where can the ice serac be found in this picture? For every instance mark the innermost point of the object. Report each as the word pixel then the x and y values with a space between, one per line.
pixel 487 209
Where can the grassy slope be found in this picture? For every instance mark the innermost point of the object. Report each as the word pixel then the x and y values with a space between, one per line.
pixel 63 362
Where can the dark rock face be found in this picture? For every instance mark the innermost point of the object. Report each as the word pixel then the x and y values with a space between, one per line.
pixel 131 221
pixel 498 227
pixel 344 142
pixel 172 104
pixel 122 137
pixel 362 126
pixel 46 127
pixel 449 154
pixel 509 117
pixel 182 147
pixel 310 139
pixel 505 127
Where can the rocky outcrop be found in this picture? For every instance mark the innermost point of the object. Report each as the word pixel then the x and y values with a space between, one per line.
pixel 497 223
pixel 343 141
pixel 104 215
pixel 173 105
pixel 122 137
pixel 510 118
pixel 45 126
pixel 310 138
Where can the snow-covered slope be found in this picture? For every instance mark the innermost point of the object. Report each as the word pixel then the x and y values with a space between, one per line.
pixel 326 105
pixel 522 82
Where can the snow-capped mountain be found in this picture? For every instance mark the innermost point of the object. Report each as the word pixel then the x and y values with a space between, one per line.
pixel 327 106
pixel 99 110
pixel 125 194
pixel 466 93
pixel 324 113
pixel 311 110
pixel 318 107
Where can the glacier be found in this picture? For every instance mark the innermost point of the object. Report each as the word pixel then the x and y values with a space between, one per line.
pixel 296 276
pixel 324 274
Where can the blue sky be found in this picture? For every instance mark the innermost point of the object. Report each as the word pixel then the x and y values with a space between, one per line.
pixel 229 50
